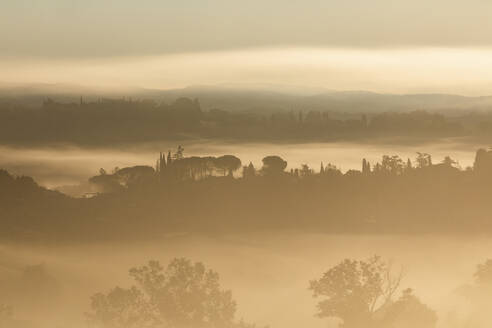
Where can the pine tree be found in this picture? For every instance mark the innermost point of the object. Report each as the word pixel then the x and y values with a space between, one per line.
pixel 169 158
pixel 162 162
pixel 364 121
pixel 409 164
pixel 366 167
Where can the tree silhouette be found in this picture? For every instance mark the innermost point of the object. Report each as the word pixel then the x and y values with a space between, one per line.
pixel 478 296
pixel 448 161
pixel 228 164
pixel 483 275
pixel 249 171
pixel 273 165
pixel 355 291
pixel 179 153
pixel 483 162
pixel 423 160
pixel 408 312
pixel 184 294
pixel 125 308
pixel 392 164
pixel 123 178
pixel 366 167
pixel 103 122
pixel 5 313
pixel 409 165
pixel 361 295
pixel 306 171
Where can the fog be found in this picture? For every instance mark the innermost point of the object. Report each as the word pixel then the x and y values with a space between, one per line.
pixel 57 28
pixel 68 165
pixel 267 272
pixel 270 231
pixel 412 69
pixel 259 164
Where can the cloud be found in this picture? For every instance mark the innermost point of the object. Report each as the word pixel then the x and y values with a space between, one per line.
pixel 59 28
pixel 406 70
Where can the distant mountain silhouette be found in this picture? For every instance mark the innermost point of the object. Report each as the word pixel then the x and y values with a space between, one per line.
pixel 256 97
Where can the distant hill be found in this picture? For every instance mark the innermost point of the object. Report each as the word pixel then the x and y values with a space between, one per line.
pixel 257 98
pixel 276 99
pixel 374 102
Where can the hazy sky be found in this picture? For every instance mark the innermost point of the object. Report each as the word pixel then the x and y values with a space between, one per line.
pixel 108 39
pixel 147 27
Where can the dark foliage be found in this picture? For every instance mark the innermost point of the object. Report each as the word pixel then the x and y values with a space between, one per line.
pixel 107 121
pixel 192 194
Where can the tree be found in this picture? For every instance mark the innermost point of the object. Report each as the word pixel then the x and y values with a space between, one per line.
pixel 273 165
pixel 392 164
pixel 135 175
pixel 179 153
pixel 364 121
pixel 332 170
pixel 184 294
pixel 228 164
pixel 483 275
pixel 409 312
pixel 305 171
pixel 423 160
pixel 449 162
pixel 479 296
pixel 161 164
pixel 186 112
pixel 106 183
pixel 121 308
pixel 123 178
pixel 483 162
pixel 5 313
pixel 366 167
pixel 249 171
pixel 354 291
pixel 409 164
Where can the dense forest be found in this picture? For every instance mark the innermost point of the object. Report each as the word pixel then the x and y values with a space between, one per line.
pixel 213 194
pixel 116 121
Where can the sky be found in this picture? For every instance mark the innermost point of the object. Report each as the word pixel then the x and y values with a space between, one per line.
pixel 439 45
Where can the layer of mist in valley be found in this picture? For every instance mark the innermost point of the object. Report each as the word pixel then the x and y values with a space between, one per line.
pixel 361 220
pixel 67 165
pixel 255 164
pixel 268 273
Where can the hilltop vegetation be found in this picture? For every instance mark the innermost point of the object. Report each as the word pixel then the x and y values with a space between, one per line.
pixel 215 194
pixel 105 122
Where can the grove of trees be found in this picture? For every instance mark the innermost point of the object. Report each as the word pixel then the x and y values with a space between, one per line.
pixel 361 294
pixel 181 295
pixel 111 121
pixel 214 194
pixel 364 293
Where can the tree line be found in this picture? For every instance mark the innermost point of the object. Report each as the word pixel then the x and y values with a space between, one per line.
pixel 175 167
pixel 356 293
pixel 217 194
pixel 110 121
